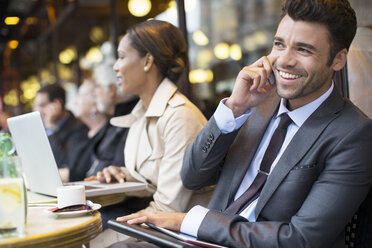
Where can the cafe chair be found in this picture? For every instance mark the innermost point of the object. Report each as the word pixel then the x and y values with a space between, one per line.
pixel 358 232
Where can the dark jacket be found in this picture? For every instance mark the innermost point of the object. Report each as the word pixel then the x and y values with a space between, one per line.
pixel 72 133
pixel 104 149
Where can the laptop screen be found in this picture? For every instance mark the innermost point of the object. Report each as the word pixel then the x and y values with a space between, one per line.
pixel 33 148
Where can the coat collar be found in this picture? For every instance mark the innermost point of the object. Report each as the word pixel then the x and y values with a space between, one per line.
pixel 160 99
pixel 157 106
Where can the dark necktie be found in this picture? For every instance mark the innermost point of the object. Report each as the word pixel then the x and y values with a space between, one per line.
pixel 272 150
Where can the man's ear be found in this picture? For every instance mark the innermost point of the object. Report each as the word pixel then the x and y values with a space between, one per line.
pixel 59 102
pixel 339 60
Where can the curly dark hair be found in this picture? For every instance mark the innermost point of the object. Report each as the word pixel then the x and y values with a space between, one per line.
pixel 336 15
pixel 164 42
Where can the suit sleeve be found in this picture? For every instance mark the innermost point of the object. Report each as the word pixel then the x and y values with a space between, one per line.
pixel 203 160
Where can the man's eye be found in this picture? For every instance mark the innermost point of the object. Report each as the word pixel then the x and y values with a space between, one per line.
pixel 303 50
pixel 278 44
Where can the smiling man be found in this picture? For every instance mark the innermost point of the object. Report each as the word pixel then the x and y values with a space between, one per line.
pixel 291 159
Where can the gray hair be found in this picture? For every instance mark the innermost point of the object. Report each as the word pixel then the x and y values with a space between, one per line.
pixel 104 75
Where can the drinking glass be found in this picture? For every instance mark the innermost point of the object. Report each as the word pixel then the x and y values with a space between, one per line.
pixel 13 204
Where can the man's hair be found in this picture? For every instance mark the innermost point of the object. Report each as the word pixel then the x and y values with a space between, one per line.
pixel 54 91
pixel 336 15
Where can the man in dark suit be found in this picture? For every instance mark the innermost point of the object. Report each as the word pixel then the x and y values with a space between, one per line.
pixel 322 170
pixel 64 131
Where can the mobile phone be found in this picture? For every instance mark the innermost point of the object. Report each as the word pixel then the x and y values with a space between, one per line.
pixel 271 79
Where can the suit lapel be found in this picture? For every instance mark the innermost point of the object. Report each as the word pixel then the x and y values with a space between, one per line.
pixel 306 136
pixel 248 140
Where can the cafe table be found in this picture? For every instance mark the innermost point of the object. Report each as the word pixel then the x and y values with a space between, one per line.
pixel 45 229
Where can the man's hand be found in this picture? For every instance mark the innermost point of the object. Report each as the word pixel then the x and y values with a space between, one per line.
pixel 108 174
pixel 53 113
pixel 251 86
pixel 171 221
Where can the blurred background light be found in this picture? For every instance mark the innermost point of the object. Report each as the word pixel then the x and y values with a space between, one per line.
pixel 190 5
pixel 201 76
pixel 235 52
pixel 139 8
pixel 68 55
pixel 11 98
pixel 31 20
pixel 222 50
pixel 29 88
pixel 96 34
pixel 65 72
pixel 260 37
pixel 13 44
pixel 47 76
pixel 250 43
pixel 11 20
pixel 204 58
pixel 94 55
pixel 200 38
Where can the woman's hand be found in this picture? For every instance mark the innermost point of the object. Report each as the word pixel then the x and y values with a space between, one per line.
pixel 108 175
pixel 168 220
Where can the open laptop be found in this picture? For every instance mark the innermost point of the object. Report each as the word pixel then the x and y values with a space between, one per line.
pixel 38 163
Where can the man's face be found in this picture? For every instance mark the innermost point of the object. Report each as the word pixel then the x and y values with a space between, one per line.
pixel 40 103
pixel 299 56
pixel 85 104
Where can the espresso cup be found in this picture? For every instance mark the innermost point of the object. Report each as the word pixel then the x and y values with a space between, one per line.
pixel 70 195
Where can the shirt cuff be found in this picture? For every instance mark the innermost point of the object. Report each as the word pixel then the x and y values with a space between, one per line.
pixel 193 219
pixel 225 118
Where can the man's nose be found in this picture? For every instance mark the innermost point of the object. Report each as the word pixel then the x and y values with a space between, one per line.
pixel 286 59
pixel 95 92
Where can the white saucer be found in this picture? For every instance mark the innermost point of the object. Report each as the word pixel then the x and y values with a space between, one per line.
pixel 95 207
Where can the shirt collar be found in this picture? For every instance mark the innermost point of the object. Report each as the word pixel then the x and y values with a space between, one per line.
pixel 62 121
pixel 300 115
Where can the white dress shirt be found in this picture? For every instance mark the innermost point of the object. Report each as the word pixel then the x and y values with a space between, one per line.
pixel 226 123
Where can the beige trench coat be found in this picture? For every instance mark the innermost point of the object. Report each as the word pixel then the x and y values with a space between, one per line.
pixel 156 144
